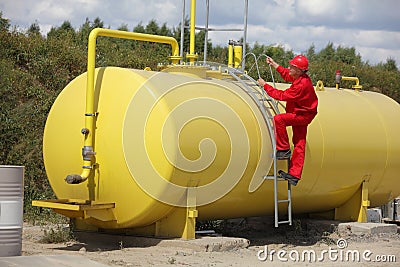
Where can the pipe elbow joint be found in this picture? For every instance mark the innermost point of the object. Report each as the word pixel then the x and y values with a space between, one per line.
pixel 74 179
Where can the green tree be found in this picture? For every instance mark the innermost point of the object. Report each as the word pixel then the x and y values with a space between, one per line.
pixel 390 64
pixel 347 55
pixel 4 23
pixel 139 28
pixel 98 23
pixel 310 54
pixel 34 29
pixel 165 31
pixel 328 53
pixel 152 27
pixel 123 27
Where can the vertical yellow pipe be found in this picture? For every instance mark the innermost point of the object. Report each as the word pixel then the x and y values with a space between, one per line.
pixel 191 56
pixel 89 111
pixel 192 26
pixel 237 54
pixel 230 53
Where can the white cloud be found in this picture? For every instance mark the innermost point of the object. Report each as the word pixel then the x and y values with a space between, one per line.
pixel 317 8
pixel 376 55
pixel 383 39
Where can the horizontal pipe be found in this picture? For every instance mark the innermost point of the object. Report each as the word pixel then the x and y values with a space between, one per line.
pixel 357 86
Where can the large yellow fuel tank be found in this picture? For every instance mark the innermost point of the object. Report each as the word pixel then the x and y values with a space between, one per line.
pixel 165 141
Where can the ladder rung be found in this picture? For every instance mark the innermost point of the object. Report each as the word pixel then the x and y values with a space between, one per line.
pixel 283 200
pixel 284 222
pixel 269 177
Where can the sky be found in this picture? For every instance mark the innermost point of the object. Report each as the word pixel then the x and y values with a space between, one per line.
pixel 371 26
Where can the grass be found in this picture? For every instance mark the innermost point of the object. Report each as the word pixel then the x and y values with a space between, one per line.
pixel 59 234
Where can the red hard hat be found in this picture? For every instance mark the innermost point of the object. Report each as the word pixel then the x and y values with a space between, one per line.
pixel 300 62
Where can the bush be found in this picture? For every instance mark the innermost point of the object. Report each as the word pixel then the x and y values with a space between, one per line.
pixel 59 234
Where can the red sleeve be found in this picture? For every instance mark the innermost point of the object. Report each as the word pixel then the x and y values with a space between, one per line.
pixel 284 72
pixel 290 94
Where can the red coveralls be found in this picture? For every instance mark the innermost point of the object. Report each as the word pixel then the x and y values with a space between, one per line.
pixel 301 108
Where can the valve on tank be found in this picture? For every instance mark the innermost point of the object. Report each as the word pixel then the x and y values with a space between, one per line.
pixel 338 78
pixel 87 154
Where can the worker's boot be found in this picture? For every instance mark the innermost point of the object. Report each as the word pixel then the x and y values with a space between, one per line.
pixel 288 177
pixel 283 154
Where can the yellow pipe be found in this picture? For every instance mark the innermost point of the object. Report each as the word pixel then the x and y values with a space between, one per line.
pixel 357 86
pixel 230 53
pixel 87 151
pixel 192 26
pixel 191 56
pixel 237 54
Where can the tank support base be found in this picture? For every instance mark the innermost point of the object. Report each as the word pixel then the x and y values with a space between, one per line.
pixel 355 209
pixel 182 222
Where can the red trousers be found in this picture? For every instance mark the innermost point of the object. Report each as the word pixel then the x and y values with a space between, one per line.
pixel 299 125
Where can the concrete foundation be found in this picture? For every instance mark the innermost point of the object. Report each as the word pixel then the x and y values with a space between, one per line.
pixel 358 228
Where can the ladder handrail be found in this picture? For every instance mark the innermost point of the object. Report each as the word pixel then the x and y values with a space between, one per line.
pixel 264 111
pixel 268 118
pixel 273 79
pixel 268 108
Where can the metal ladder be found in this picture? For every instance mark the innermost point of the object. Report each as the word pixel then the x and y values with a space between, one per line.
pixel 268 107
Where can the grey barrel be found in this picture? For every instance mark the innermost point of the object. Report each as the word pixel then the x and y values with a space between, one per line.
pixel 11 209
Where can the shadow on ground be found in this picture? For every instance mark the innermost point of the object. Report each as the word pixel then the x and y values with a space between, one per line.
pixel 261 231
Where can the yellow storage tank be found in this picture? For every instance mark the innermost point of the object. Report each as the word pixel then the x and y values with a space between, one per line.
pixel 172 147
pixel 162 149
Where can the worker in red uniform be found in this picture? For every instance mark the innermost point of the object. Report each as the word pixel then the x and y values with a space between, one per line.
pixel 301 108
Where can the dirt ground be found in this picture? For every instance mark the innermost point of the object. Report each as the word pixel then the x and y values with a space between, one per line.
pixel 305 243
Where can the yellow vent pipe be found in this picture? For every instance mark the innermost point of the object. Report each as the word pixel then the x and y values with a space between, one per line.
pixel 230 53
pixel 357 86
pixel 340 78
pixel 192 56
pixel 90 113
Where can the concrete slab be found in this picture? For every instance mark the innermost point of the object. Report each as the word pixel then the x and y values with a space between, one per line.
pixel 49 261
pixel 358 228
